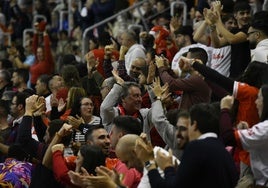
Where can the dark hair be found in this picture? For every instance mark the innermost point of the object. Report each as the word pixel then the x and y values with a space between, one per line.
pixel 264 91
pixel 148 42
pixel 226 17
pixel 16 151
pixel 21 97
pixel 6 64
pixel 6 75
pixel 105 39
pixel 255 74
pixel 241 5
pixel 4 109
pixel 206 118
pixel 54 126
pixel 186 30
pixel 22 73
pixel 228 6
pixel 91 130
pixel 128 124
pixel 126 87
pixel 65 32
pixel 93 157
pixel 260 21
pixel 174 114
pixel 76 107
pixel 70 76
pixel 44 78
pixel 199 53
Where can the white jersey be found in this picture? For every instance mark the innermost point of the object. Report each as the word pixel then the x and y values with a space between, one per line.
pixel 255 141
pixel 221 60
pixel 176 58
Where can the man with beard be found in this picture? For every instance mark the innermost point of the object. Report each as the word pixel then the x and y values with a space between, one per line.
pixel 258 37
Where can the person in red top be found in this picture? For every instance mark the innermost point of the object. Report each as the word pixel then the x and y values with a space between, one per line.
pixel 89 157
pixel 98 54
pixel 44 63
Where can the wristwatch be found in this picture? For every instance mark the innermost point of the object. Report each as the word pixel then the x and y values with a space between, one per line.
pixel 149 163
pixel 158 98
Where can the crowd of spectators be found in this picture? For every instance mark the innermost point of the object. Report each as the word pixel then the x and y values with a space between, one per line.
pixel 172 105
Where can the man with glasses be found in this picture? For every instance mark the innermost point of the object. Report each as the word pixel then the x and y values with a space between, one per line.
pixel 258 37
pixel 17 110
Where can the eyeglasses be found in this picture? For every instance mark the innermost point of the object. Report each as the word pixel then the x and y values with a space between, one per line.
pixel 249 33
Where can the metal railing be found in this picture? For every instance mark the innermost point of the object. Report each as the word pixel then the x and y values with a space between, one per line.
pixel 25 31
pixel 38 17
pixel 84 38
pixel 177 4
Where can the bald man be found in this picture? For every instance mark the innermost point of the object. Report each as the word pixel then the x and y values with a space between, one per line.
pixel 125 151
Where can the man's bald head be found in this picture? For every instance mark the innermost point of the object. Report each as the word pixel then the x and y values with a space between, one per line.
pixel 125 151
pixel 127 142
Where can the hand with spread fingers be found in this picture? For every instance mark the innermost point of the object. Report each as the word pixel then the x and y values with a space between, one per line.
pixel 161 61
pixel 157 89
pixel 217 6
pixel 104 171
pixel 61 105
pixel 103 179
pixel 75 121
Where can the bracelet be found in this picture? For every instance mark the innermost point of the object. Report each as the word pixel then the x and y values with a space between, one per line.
pixel 212 28
pixel 118 84
pixel 158 98
pixel 149 163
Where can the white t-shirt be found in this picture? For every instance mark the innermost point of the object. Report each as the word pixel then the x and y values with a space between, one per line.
pixel 221 60
pixel 255 141
pixel 145 183
pixel 176 58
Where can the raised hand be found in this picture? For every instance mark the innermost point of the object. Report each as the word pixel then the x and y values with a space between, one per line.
pixel 75 121
pixel 151 72
pixel 117 78
pixel 42 110
pixel 144 149
pixel 33 103
pixel 217 7
pixel 157 89
pixel 175 23
pixel 66 129
pixel 61 105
